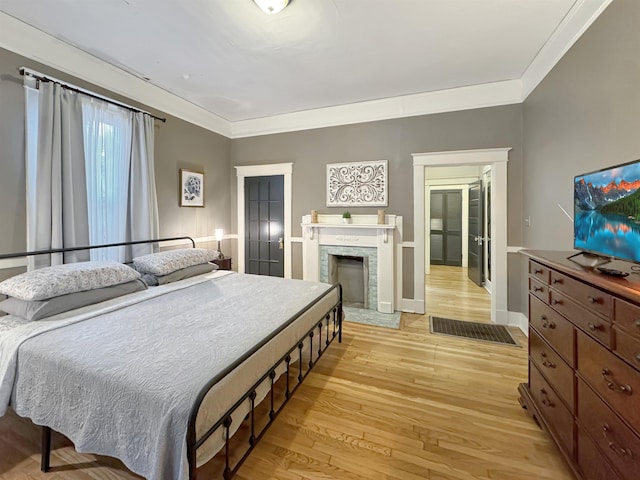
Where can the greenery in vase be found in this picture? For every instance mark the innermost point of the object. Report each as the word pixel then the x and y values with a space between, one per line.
pixel 346 215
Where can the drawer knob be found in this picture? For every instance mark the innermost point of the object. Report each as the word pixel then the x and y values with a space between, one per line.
pixel 637 322
pixel 546 362
pixel 546 323
pixel 538 289
pixel 613 385
pixel 592 299
pixel 537 271
pixel 556 302
pixel 593 327
pixel 546 401
pixel 607 432
pixel 638 356
pixel 556 280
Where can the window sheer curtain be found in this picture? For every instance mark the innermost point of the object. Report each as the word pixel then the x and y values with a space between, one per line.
pixel 90 175
pixel 107 150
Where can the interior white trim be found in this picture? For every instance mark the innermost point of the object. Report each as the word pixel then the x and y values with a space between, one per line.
pixel 497 158
pixel 575 23
pixel 450 100
pixel 519 319
pixel 297 239
pixel 242 172
pixel 13 263
pixel 32 43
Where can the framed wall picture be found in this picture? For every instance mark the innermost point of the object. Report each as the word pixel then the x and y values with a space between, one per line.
pixel 357 184
pixel 191 188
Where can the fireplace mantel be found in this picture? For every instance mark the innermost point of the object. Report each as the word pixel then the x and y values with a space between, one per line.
pixel 313 228
pixel 362 232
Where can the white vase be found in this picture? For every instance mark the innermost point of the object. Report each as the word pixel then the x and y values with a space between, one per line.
pixel 346 220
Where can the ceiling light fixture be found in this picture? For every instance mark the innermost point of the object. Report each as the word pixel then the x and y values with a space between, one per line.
pixel 271 6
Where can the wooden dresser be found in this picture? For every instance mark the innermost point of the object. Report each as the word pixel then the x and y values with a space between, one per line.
pixel 584 365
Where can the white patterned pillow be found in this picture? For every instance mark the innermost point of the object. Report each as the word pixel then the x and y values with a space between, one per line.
pixel 164 263
pixel 59 280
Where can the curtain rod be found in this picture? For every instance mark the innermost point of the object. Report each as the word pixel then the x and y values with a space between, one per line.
pixel 43 78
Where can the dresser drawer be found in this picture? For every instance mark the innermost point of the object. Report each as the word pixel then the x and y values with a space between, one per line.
pixel 627 347
pixel 539 289
pixel 592 324
pixel 619 443
pixel 627 317
pixel 553 367
pixel 553 327
pixel 590 461
pixel 595 300
pixel 558 417
pixel 539 271
pixel 612 378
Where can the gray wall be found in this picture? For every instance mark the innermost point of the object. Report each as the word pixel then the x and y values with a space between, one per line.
pixel 393 140
pixel 178 144
pixel 584 116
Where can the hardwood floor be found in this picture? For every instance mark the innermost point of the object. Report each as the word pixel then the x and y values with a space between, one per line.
pixel 385 404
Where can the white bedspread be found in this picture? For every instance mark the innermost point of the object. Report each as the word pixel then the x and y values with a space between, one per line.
pixel 119 379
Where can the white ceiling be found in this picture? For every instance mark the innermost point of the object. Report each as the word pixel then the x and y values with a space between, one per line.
pixel 236 62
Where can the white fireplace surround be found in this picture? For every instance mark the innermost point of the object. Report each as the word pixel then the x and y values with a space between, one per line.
pixel 363 231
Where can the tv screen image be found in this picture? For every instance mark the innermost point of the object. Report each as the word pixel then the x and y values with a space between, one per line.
pixel 607 212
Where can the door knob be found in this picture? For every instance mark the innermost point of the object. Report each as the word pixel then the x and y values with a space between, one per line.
pixel 281 243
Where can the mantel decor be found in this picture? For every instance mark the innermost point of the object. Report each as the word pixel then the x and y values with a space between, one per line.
pixel 357 184
pixel 191 188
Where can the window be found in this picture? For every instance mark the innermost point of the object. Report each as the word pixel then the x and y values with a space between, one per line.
pixel 107 149
pixel 84 156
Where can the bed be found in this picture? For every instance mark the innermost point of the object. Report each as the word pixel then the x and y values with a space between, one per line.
pixel 163 377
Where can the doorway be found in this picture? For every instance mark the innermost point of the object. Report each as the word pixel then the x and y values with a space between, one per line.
pixel 497 159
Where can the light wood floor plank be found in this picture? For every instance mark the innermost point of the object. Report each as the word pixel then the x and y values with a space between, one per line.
pixel 384 405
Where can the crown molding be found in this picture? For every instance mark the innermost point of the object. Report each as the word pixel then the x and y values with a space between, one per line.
pixel 575 23
pixel 450 100
pixel 34 44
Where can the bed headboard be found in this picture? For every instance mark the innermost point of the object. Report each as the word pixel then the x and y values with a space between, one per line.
pixel 91 247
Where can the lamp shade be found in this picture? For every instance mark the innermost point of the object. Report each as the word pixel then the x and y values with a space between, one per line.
pixel 271 6
pixel 219 234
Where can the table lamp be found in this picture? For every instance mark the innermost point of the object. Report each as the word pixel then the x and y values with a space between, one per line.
pixel 219 235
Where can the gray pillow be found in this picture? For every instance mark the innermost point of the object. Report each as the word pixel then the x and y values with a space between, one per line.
pixel 50 282
pixel 164 263
pixel 39 309
pixel 153 280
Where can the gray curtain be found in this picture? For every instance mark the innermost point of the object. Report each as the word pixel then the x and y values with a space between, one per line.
pixel 143 203
pixel 56 185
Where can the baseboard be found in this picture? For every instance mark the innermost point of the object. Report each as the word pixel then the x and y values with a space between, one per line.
pixel 519 319
pixel 411 305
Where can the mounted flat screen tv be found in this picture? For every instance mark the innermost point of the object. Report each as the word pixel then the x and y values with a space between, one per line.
pixel 607 212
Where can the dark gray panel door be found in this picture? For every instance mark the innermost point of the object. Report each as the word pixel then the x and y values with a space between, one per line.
pixel 476 234
pixel 264 225
pixel 446 227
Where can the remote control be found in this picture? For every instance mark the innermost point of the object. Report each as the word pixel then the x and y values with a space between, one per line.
pixel 613 272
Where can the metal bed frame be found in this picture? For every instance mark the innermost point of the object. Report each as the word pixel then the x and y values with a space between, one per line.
pixel 330 322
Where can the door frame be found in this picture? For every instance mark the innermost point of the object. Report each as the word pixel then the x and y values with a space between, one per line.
pixel 497 158
pixel 285 169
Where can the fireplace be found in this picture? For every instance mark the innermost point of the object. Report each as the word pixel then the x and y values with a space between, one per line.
pixel 363 256
pixel 352 272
